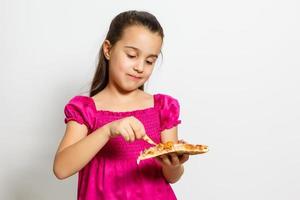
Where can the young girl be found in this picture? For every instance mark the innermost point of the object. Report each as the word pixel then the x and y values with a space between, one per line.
pixel 105 130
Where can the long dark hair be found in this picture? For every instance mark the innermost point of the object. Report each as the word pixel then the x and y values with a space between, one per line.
pixel 116 28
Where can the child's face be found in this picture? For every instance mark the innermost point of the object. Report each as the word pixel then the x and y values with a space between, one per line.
pixel 132 58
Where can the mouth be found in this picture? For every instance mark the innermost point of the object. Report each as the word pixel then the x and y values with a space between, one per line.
pixel 135 77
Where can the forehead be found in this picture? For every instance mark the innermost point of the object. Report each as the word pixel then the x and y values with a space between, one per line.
pixel 142 39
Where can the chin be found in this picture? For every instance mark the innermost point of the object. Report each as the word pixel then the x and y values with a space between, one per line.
pixel 127 89
pixel 130 86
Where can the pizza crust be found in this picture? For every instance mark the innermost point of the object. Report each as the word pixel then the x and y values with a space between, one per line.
pixel 170 147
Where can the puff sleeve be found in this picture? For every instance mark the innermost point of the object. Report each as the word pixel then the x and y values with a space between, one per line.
pixel 77 110
pixel 169 112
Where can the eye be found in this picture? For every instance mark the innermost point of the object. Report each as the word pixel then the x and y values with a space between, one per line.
pixel 131 56
pixel 150 63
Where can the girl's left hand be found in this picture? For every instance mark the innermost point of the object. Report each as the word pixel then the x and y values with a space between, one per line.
pixel 172 160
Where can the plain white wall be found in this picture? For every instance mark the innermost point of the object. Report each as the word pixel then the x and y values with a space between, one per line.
pixel 233 65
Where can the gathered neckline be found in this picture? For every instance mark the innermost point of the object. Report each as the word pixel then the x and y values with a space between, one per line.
pixel 123 112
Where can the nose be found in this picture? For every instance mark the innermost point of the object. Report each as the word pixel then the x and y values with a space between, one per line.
pixel 139 67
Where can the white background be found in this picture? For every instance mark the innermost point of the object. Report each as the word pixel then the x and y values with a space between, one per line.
pixel 233 66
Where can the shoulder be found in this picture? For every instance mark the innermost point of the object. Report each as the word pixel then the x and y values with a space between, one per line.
pixel 79 108
pixel 160 99
pixel 163 100
pixel 80 101
pixel 169 110
pixel 81 104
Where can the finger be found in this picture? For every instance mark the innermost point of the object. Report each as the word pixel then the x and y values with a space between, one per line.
pixel 184 158
pixel 116 133
pixel 175 159
pixel 130 133
pixel 149 140
pixel 125 135
pixel 137 127
pixel 165 159
pixel 139 130
pixel 159 160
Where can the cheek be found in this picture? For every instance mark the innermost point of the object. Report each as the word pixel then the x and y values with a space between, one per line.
pixel 123 64
pixel 148 70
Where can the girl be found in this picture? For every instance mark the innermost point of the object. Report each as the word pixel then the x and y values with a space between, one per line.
pixel 105 130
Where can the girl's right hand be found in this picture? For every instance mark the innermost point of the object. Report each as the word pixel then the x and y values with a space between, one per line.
pixel 130 128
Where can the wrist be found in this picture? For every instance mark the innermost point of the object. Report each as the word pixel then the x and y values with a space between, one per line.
pixel 105 130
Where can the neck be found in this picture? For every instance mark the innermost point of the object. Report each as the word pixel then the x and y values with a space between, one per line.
pixel 120 95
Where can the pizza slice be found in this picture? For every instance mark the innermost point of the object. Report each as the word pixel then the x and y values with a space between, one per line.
pixel 170 147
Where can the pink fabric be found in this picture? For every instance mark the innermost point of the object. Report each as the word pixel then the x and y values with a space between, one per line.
pixel 113 173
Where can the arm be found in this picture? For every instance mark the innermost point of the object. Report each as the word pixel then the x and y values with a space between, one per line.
pixel 172 167
pixel 77 149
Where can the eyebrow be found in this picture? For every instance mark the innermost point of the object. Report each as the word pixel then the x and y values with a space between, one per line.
pixel 151 55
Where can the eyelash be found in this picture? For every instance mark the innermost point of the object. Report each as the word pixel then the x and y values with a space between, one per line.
pixel 148 62
pixel 130 56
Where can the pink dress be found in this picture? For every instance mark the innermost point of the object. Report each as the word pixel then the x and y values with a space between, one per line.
pixel 113 173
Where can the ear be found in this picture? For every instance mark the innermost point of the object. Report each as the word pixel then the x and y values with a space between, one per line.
pixel 106 49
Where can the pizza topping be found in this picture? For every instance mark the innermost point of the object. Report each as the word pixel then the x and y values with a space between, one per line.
pixel 202 147
pixel 165 146
pixel 168 147
pixel 189 146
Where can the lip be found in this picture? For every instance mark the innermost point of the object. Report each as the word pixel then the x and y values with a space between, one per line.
pixel 135 77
